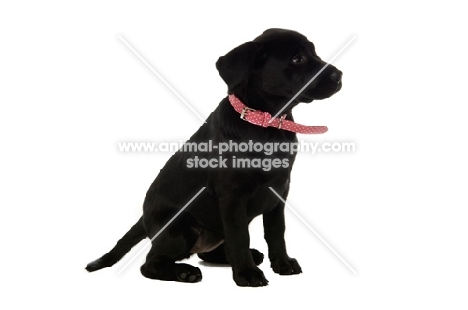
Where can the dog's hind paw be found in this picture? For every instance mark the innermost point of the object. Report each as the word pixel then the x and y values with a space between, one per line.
pixel 187 273
pixel 257 256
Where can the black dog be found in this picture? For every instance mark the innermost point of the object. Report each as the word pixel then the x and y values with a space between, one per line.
pixel 264 74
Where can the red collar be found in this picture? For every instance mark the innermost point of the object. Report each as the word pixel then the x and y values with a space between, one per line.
pixel 260 118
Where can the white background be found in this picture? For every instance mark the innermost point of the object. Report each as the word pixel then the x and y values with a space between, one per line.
pixel 395 209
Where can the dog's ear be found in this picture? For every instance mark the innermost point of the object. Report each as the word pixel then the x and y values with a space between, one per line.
pixel 235 65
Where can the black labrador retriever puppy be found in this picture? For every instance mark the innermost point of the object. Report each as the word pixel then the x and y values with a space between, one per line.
pixel 262 76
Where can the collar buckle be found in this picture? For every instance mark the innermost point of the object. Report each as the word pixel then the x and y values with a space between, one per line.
pixel 245 111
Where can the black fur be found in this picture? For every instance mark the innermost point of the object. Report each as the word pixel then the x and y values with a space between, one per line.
pixel 264 73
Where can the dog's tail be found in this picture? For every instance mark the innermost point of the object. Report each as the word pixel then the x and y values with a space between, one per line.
pixel 124 245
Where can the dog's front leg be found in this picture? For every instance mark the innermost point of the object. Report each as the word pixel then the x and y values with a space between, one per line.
pixel 237 241
pixel 274 227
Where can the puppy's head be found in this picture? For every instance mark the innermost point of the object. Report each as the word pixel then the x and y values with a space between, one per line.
pixel 276 66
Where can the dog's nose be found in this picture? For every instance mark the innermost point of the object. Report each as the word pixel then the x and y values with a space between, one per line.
pixel 336 76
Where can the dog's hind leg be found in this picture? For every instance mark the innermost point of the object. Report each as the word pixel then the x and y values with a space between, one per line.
pixel 218 256
pixel 169 246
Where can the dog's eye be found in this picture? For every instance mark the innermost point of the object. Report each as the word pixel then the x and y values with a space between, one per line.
pixel 297 59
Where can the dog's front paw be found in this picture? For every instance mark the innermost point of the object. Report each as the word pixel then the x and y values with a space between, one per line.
pixel 250 277
pixel 286 266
